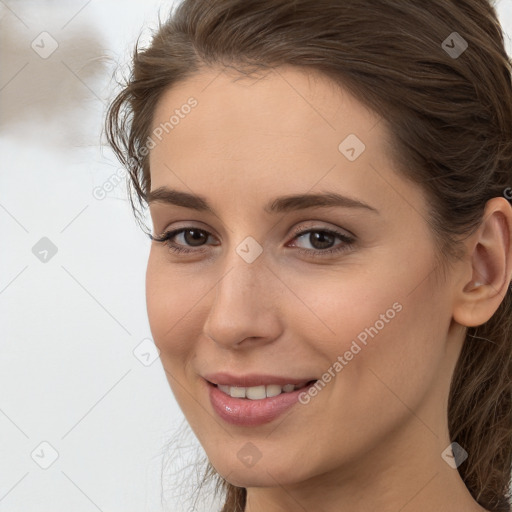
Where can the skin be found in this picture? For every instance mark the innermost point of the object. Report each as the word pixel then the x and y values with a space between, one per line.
pixel 372 439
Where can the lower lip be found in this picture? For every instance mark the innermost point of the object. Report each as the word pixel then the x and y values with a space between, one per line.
pixel 248 413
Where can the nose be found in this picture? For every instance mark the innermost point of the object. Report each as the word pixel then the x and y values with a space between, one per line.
pixel 245 308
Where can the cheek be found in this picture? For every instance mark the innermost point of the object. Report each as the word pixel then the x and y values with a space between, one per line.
pixel 382 359
pixel 388 344
pixel 389 321
pixel 172 301
pixel 412 350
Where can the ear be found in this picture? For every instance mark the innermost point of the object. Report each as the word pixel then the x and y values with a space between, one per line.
pixel 487 273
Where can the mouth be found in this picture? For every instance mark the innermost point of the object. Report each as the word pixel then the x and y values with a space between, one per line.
pixel 255 405
pixel 262 391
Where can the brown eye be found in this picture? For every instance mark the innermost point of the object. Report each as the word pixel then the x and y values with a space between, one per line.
pixel 322 240
pixel 194 237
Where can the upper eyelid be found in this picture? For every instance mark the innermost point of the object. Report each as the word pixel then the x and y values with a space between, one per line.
pixel 301 226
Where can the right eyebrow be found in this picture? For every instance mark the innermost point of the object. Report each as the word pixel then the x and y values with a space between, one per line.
pixel 277 205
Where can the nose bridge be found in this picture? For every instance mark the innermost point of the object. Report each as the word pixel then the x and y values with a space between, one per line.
pixel 245 269
pixel 243 304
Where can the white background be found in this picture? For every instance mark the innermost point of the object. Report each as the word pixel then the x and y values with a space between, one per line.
pixel 69 326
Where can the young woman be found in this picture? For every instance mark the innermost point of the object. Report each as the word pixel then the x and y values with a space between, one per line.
pixel 328 283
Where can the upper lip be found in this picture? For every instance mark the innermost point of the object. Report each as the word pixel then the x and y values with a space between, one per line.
pixel 253 379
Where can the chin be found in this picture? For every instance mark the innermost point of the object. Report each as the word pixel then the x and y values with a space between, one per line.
pixel 254 478
pixel 262 474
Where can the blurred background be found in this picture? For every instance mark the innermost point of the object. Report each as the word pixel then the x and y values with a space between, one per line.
pixel 87 418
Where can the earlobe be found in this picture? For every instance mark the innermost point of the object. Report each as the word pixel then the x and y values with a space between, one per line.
pixel 490 260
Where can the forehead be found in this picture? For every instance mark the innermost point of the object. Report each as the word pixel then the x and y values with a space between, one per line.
pixel 284 128
pixel 288 111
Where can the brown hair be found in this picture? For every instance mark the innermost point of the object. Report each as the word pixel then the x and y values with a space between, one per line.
pixel 450 117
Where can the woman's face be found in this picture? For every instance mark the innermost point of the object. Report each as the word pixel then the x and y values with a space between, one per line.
pixel 282 291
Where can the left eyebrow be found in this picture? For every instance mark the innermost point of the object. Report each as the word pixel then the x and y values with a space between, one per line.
pixel 277 205
pixel 303 201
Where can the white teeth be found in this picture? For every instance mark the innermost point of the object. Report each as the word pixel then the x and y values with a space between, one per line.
pixel 224 389
pixel 255 393
pixel 237 392
pixel 258 392
pixel 273 390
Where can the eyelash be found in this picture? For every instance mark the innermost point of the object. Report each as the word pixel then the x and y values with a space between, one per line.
pixel 348 241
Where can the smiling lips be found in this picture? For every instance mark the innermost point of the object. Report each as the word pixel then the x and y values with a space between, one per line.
pixel 252 400
pixel 259 392
pixel 255 387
